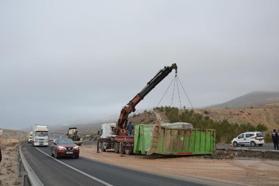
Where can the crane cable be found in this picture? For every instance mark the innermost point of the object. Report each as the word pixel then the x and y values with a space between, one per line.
pixel 173 91
pixel 165 93
pixel 175 82
pixel 178 93
pixel 184 91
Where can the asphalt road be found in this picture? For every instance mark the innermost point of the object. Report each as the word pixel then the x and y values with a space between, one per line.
pixel 83 171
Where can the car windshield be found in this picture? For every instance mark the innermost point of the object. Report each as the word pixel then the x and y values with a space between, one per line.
pixel 65 141
pixel 260 134
pixel 41 133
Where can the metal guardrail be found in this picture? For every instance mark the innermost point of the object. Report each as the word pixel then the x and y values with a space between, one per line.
pixel 31 178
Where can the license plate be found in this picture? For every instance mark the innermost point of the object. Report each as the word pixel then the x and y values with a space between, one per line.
pixel 69 152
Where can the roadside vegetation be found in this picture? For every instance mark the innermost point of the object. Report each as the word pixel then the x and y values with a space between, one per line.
pixel 225 131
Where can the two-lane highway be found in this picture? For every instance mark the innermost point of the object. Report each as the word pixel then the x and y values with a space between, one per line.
pixel 83 171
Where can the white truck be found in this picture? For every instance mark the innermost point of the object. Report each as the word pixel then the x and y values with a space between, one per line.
pixel 40 135
pixel 107 135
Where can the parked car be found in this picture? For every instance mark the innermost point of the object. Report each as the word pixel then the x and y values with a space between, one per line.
pixel 64 147
pixel 249 138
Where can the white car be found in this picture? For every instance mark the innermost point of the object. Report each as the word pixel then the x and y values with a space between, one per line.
pixel 249 138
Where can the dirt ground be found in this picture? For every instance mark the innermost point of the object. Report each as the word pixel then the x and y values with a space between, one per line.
pixel 223 172
pixel 9 165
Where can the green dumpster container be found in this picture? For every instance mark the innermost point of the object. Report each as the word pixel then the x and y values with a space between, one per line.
pixel 173 139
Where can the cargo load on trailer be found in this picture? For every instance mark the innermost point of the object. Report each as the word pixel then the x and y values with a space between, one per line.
pixel 173 139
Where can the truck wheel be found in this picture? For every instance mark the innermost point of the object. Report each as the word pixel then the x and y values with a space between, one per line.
pixel 128 151
pixel 235 144
pixel 121 148
pixel 103 147
pixel 116 147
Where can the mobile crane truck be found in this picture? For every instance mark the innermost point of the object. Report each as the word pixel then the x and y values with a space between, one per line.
pixel 121 142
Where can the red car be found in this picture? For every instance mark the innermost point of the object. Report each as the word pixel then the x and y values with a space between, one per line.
pixel 64 147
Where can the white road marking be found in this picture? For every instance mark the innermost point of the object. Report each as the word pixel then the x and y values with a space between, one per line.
pixel 75 169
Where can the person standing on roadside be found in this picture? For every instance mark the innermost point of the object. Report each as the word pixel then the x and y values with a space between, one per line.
pixel 275 139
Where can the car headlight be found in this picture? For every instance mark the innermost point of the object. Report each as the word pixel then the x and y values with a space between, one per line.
pixel 61 148
pixel 76 147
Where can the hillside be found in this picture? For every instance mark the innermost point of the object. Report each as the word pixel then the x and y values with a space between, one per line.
pixel 252 99
pixel 266 114
pixel 254 108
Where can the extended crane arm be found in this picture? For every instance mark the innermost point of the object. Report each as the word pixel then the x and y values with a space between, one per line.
pixel 130 107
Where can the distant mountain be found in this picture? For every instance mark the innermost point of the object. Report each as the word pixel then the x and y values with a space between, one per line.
pixel 251 99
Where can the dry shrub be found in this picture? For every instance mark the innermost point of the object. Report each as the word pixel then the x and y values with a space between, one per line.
pixel 10 142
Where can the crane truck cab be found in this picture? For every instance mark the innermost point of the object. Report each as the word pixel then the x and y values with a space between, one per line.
pixel 106 136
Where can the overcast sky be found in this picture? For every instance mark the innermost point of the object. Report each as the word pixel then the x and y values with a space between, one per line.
pixel 64 62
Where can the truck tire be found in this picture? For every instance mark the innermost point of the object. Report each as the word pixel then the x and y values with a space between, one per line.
pixel 98 146
pixel 128 151
pixel 121 148
pixel 103 147
pixel 116 147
